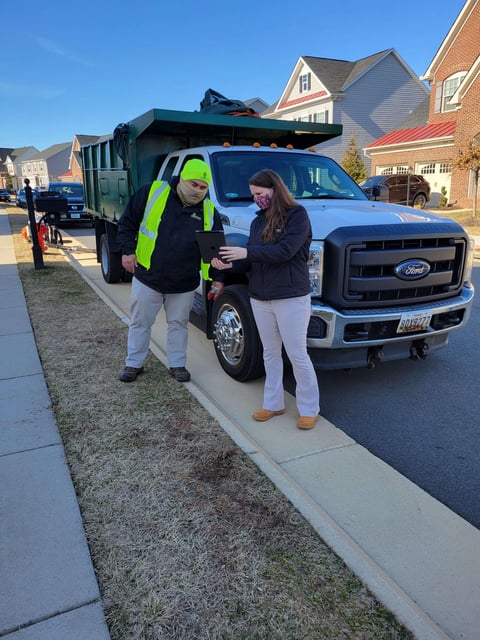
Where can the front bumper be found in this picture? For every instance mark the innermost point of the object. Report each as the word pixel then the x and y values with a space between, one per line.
pixel 347 329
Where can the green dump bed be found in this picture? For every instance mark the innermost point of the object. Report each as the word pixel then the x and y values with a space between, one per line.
pixel 115 166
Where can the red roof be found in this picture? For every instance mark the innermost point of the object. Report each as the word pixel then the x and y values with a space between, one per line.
pixel 310 96
pixel 416 134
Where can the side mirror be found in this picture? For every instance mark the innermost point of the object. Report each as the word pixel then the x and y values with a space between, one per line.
pixel 380 192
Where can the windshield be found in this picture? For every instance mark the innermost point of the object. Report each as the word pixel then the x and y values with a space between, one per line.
pixel 69 190
pixel 307 175
pixel 371 182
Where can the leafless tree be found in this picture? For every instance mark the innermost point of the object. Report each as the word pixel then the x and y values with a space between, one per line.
pixel 468 158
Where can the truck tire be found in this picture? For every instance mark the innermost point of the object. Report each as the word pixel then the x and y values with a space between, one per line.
pixel 235 336
pixel 110 262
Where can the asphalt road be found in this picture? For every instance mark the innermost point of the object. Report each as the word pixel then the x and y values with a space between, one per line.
pixel 420 417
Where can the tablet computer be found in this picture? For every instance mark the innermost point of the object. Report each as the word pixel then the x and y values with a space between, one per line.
pixel 209 243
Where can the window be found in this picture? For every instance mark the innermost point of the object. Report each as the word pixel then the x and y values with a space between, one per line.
pixel 400 170
pixel 445 167
pixel 445 90
pixel 321 116
pixel 305 82
pixel 427 169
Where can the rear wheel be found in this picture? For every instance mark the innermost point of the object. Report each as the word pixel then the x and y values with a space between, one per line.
pixel 420 200
pixel 110 262
pixel 235 336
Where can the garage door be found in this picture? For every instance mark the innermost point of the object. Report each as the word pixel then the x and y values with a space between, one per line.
pixel 438 174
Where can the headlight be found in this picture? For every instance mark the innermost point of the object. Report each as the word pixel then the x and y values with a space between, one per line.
pixel 315 268
pixel 467 275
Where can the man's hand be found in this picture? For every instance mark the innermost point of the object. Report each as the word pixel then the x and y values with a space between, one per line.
pixel 129 263
pixel 216 290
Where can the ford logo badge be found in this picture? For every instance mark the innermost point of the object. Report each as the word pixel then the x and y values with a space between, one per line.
pixel 412 269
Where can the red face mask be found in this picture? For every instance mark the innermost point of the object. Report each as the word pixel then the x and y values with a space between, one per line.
pixel 263 201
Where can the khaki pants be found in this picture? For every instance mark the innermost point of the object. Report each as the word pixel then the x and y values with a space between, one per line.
pixel 145 306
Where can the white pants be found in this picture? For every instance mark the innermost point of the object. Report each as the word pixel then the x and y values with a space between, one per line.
pixel 145 306
pixel 286 321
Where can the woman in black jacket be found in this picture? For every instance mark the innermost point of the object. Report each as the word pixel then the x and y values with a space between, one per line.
pixel 276 257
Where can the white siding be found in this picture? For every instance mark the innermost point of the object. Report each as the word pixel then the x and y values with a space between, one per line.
pixel 374 105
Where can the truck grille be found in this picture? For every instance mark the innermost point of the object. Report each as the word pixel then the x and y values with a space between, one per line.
pixel 368 265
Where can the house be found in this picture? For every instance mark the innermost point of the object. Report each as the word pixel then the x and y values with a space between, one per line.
pixel 429 143
pixel 75 165
pixel 257 104
pixel 45 166
pixel 367 97
pixel 12 164
pixel 4 153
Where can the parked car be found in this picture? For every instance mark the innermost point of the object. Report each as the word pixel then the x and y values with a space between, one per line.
pixel 20 199
pixel 73 210
pixel 398 188
pixel 4 195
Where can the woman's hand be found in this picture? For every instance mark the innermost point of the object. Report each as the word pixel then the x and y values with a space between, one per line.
pixel 232 253
pixel 218 264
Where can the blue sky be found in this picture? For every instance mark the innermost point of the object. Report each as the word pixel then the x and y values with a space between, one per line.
pixel 83 70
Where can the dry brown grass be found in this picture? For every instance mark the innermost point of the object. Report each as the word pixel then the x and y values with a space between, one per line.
pixel 188 538
pixel 463 216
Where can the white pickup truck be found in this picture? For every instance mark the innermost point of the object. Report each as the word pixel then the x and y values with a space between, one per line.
pixel 388 281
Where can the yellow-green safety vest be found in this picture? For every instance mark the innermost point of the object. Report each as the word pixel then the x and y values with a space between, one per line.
pixel 147 234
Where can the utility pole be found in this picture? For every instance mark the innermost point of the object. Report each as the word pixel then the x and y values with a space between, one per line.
pixel 409 170
pixel 36 249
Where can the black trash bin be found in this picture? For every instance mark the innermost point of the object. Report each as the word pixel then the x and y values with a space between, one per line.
pixel 52 203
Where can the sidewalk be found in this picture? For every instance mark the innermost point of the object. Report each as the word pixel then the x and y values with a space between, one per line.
pixel 419 558
pixel 48 588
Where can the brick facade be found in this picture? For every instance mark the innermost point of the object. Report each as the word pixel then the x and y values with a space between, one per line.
pixel 458 53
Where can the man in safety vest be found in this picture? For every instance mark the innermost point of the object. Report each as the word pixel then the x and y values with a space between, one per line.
pixel 157 235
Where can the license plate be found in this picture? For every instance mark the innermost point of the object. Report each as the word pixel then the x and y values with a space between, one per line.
pixel 416 321
pixel 75 215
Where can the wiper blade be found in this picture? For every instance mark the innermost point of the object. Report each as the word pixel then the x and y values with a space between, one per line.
pixel 325 196
pixel 231 198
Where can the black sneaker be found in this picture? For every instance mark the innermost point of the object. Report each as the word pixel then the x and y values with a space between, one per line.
pixel 180 374
pixel 129 374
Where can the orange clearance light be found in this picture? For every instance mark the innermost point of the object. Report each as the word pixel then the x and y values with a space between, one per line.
pixel 227 144
pixel 312 149
pixel 274 145
pixel 256 144
pixel 289 146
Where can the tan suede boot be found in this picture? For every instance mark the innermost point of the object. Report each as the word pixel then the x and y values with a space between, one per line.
pixel 306 422
pixel 262 415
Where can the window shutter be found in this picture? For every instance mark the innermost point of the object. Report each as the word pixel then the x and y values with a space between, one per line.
pixel 438 97
pixel 309 80
pixel 300 87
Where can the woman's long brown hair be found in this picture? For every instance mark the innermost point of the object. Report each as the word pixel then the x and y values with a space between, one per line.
pixel 282 200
